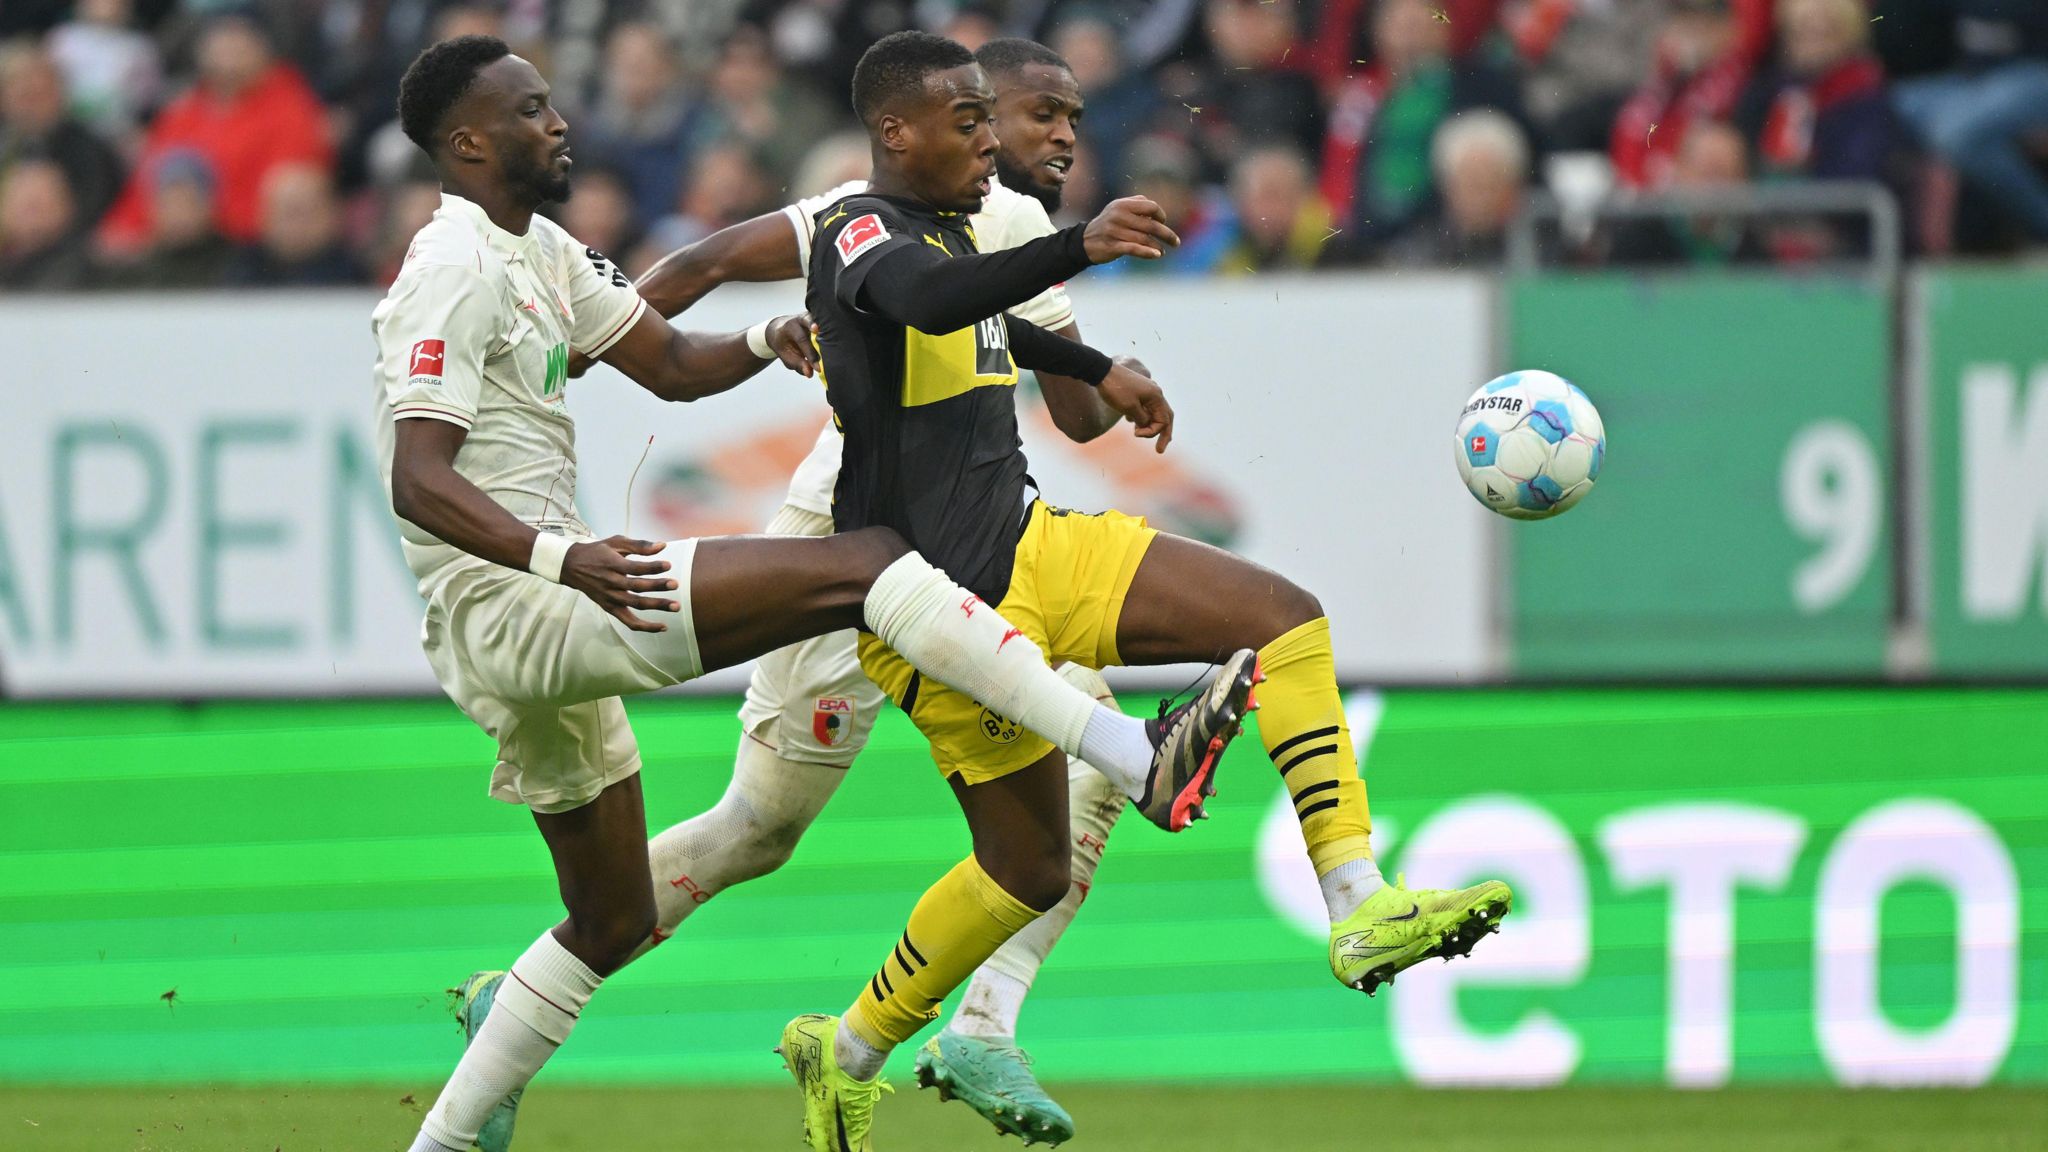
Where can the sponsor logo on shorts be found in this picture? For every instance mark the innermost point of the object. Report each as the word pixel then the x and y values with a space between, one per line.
pixel 859 236
pixel 999 729
pixel 832 720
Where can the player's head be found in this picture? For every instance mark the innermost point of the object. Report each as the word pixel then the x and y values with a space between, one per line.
pixel 483 115
pixel 1038 116
pixel 928 108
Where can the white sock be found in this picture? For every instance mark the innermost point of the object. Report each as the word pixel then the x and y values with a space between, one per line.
pixel 995 996
pixel 989 1007
pixel 1118 743
pixel 1347 885
pixel 948 634
pixel 536 1007
pixel 855 1056
pixel 749 833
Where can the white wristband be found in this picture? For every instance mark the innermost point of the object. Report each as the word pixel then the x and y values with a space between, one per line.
pixel 549 550
pixel 757 340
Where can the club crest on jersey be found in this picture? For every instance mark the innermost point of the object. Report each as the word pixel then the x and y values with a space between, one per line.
pixel 428 356
pixel 859 236
pixel 832 720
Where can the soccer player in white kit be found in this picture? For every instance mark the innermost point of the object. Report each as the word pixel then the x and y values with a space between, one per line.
pixel 535 628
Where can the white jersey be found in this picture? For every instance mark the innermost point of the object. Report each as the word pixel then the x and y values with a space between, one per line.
pixel 1007 219
pixel 477 331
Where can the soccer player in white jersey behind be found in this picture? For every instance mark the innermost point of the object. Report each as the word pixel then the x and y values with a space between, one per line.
pixel 809 707
pixel 535 628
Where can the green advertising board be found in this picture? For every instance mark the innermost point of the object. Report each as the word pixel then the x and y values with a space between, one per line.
pixel 1713 885
pixel 1984 387
pixel 1741 524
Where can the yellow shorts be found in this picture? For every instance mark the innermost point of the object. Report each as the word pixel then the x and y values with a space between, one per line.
pixel 1067 589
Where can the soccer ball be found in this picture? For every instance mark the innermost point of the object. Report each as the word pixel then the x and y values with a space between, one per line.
pixel 1530 445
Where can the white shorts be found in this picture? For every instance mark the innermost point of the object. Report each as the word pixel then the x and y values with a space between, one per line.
pixel 810 702
pixel 540 667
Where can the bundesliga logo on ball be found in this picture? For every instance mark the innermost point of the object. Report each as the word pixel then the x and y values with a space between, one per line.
pixel 1530 445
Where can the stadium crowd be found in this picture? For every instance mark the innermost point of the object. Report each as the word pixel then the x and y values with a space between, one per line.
pixel 196 143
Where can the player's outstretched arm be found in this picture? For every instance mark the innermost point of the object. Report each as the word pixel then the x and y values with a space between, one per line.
pixel 1124 390
pixel 683 366
pixel 427 491
pixel 919 285
pixel 1077 409
pixel 757 251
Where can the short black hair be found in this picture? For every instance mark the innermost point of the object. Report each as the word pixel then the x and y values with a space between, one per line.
pixel 437 78
pixel 896 66
pixel 1013 52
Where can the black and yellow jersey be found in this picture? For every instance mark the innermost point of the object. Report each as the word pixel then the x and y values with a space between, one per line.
pixel 930 420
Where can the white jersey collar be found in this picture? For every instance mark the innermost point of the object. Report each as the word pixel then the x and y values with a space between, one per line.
pixel 503 242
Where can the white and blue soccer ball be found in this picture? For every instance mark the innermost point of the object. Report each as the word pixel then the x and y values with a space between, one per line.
pixel 1530 445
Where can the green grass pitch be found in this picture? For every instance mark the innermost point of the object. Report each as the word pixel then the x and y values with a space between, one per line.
pixel 1187 1118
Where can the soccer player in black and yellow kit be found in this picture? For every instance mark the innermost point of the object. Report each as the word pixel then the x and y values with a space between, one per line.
pixel 919 362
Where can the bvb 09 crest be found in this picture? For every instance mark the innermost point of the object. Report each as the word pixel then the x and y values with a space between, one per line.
pixel 999 729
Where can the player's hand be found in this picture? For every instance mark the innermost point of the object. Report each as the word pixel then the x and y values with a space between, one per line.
pixel 1132 226
pixel 578 364
pixel 1138 398
pixel 790 336
pixel 604 571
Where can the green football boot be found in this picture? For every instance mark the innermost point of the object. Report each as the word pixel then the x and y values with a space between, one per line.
pixel 994 1078
pixel 473 1000
pixel 839 1111
pixel 1396 929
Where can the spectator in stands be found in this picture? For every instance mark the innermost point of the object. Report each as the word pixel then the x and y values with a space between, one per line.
pixel 1281 221
pixel 1702 66
pixel 1823 113
pixel 1164 168
pixel 1376 158
pixel 1257 94
pixel 247 114
pixel 41 248
pixel 726 186
pixel 646 120
pixel 185 246
pixel 1713 158
pixel 1985 115
pixel 1580 60
pixel 1121 105
pixel 754 104
pixel 600 215
pixel 33 124
pixel 837 159
pixel 111 68
pixel 302 241
pixel 1481 162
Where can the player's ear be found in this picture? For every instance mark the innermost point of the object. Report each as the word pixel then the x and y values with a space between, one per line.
pixel 894 131
pixel 464 144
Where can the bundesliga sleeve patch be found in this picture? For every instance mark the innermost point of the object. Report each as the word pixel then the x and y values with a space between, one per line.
pixel 427 358
pixel 860 235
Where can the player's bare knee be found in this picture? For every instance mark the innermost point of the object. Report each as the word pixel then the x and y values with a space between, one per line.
pixel 1038 880
pixel 1288 607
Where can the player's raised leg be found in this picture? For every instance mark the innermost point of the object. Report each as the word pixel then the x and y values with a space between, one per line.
pixel 1190 601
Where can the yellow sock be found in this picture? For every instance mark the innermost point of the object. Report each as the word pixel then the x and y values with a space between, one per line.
pixel 958 923
pixel 1301 721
